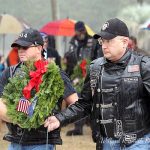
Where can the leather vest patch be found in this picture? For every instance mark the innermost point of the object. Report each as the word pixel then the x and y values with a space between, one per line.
pixel 133 68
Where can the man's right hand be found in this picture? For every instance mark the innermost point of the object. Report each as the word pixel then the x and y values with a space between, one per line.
pixel 51 123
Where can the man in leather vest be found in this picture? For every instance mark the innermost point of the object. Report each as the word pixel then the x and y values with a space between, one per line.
pixel 81 46
pixel 30 47
pixel 116 94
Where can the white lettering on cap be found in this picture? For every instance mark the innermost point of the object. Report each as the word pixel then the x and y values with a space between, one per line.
pixel 23 35
pixel 105 26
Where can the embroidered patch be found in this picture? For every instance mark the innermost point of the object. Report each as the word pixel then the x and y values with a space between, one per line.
pixel 105 26
pixel 133 68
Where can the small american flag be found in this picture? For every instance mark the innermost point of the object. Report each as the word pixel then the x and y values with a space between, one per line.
pixel 23 105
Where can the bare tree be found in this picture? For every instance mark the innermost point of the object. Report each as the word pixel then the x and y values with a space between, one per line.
pixel 54 9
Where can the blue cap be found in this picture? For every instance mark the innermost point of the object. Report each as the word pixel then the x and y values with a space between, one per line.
pixel 44 35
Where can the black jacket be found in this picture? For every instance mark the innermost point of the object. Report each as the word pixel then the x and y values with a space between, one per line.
pixel 117 97
pixel 81 49
pixel 52 53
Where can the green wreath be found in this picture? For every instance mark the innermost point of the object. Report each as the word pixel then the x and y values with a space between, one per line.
pixel 77 76
pixel 51 89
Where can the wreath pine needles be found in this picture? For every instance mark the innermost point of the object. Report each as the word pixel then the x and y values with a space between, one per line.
pixel 51 89
pixel 77 74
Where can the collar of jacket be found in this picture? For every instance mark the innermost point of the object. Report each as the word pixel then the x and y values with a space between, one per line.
pixel 123 61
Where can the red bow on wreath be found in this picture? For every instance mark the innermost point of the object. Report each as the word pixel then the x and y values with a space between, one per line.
pixel 83 67
pixel 36 78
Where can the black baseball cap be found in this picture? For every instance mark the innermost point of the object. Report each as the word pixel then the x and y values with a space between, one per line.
pixel 28 37
pixel 112 28
pixel 80 26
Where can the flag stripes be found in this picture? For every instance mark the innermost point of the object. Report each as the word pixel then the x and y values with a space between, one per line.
pixel 23 105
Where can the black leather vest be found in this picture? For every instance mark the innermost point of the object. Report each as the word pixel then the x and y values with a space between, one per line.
pixel 82 49
pixel 34 136
pixel 120 102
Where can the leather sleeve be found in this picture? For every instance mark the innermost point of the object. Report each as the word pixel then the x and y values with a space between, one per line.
pixel 145 72
pixel 78 110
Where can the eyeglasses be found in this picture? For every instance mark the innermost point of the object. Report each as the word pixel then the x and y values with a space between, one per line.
pixel 26 47
pixel 102 41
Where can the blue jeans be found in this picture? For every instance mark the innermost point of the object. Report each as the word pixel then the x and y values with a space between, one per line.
pixel 141 144
pixel 14 146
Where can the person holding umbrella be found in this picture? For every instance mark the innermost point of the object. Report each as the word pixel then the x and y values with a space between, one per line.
pixel 82 47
